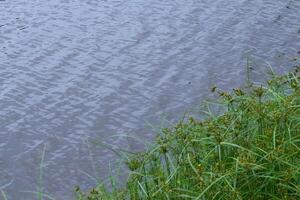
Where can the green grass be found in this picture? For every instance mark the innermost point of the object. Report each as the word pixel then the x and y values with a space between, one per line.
pixel 251 151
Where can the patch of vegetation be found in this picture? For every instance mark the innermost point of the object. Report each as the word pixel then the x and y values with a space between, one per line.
pixel 251 151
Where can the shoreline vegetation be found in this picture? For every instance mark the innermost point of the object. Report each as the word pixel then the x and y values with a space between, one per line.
pixel 250 152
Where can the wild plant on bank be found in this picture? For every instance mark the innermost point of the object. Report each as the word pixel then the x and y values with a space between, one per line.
pixel 250 152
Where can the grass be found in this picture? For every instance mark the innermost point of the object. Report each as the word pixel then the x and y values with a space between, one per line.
pixel 3 195
pixel 40 194
pixel 251 151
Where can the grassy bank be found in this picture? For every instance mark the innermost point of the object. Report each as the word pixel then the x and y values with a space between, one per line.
pixel 251 151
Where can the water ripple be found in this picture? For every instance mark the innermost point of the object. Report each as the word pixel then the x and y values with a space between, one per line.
pixel 72 71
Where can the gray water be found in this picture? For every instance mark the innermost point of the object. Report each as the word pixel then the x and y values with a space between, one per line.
pixel 72 71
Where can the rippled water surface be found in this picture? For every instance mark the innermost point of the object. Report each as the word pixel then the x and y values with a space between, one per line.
pixel 72 70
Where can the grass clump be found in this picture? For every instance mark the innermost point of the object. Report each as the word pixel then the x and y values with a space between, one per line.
pixel 251 151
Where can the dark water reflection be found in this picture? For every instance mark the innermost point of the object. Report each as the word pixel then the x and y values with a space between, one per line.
pixel 71 70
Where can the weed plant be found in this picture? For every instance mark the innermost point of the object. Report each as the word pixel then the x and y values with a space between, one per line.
pixel 250 152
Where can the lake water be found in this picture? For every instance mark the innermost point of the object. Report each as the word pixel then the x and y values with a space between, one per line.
pixel 72 71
